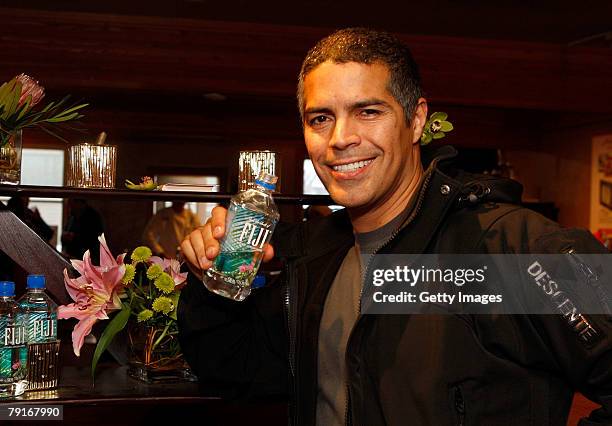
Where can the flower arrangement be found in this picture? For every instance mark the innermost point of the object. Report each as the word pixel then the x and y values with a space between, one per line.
pixel 18 99
pixel 436 127
pixel 146 290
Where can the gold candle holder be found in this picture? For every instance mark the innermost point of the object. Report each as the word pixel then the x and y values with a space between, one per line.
pixel 251 163
pixel 91 166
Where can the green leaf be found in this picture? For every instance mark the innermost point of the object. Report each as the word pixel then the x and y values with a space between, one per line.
pixel 52 133
pixel 446 126
pixel 115 326
pixel 13 100
pixel 58 119
pixel 69 110
pixel 24 107
pixel 439 135
pixel 174 296
pixel 6 94
pixel 438 116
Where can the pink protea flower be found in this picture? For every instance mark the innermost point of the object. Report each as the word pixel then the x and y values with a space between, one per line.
pixel 95 292
pixel 30 87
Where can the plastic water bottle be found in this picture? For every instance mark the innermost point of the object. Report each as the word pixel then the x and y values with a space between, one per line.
pixel 13 349
pixel 250 221
pixel 40 311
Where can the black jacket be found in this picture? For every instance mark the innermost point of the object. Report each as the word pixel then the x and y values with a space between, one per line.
pixel 408 369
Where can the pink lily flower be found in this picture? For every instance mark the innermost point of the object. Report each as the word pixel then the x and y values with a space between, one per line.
pixel 95 292
pixel 172 267
pixel 30 87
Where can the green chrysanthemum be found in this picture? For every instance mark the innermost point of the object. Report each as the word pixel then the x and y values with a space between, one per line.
pixel 130 273
pixel 141 254
pixel 163 304
pixel 154 271
pixel 164 283
pixel 145 315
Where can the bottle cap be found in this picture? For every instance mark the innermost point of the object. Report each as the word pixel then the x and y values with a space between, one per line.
pixel 266 181
pixel 35 281
pixel 7 288
pixel 259 281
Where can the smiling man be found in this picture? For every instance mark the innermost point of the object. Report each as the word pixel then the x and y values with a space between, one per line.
pixel 362 145
pixel 304 335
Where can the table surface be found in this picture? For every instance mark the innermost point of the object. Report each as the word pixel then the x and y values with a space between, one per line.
pixel 117 399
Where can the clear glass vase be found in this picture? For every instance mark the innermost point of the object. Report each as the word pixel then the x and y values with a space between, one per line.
pixel 10 159
pixel 155 354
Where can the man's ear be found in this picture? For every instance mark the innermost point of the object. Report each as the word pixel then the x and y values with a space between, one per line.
pixel 418 120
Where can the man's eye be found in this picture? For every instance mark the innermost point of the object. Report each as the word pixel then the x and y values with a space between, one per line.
pixel 318 120
pixel 369 112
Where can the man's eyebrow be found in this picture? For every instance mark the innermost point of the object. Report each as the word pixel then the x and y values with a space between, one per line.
pixel 369 102
pixel 317 110
pixel 359 104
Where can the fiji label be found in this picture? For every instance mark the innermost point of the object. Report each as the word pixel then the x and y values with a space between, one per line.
pixel 14 336
pixel 242 249
pixel 43 328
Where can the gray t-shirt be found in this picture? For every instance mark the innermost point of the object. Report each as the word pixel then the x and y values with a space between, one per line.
pixel 340 313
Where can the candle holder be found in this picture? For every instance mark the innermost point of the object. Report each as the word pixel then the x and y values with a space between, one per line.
pixel 91 166
pixel 251 163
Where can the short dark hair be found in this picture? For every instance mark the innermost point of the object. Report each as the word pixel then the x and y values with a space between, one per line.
pixel 366 46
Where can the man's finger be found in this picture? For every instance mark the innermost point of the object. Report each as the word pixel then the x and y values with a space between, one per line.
pixel 268 253
pixel 217 222
pixel 196 240
pixel 189 254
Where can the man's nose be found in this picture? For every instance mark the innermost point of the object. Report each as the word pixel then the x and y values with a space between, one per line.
pixel 344 135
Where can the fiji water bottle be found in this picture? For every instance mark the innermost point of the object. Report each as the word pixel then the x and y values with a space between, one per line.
pixel 13 349
pixel 250 221
pixel 40 313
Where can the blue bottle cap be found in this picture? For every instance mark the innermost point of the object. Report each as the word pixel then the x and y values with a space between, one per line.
pixel 7 289
pixel 266 181
pixel 36 281
pixel 259 281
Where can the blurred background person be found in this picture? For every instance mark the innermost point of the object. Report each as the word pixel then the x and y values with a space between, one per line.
pixel 82 229
pixel 31 217
pixel 168 227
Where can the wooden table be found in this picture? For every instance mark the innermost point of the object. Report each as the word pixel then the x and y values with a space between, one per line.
pixel 117 399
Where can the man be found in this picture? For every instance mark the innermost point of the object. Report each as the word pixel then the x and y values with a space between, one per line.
pixel 360 100
pixel 168 227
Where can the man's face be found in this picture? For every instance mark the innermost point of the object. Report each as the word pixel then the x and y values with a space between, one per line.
pixel 356 135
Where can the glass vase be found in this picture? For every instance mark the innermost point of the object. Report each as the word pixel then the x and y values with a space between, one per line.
pixel 10 159
pixel 155 354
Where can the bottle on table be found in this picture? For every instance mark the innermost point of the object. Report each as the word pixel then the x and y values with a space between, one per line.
pixel 40 310
pixel 13 348
pixel 41 334
pixel 250 221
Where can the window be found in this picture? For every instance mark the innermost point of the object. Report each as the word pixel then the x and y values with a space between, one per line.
pixel 45 167
pixel 202 210
pixel 312 183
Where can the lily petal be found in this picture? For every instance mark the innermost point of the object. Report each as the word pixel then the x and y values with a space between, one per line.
pixel 82 329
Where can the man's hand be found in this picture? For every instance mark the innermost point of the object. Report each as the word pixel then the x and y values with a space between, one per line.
pixel 202 245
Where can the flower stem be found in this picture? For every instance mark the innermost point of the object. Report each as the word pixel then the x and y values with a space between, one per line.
pixel 159 339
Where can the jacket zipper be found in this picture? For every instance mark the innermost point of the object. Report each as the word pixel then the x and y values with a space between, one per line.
pixel 459 405
pixel 291 335
pixel 410 218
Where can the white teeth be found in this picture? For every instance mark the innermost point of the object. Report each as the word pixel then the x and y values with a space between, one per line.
pixel 351 166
